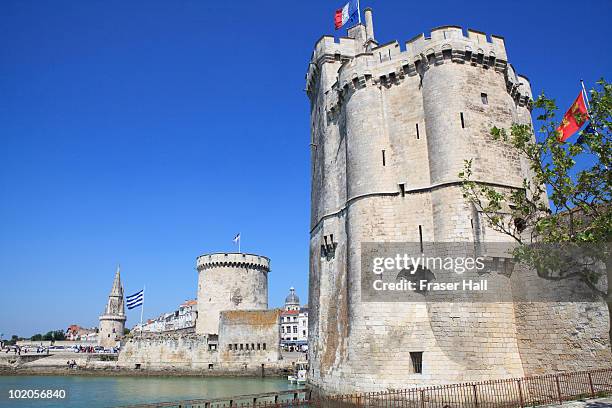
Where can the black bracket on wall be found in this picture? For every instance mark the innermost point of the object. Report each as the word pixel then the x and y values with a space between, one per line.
pixel 328 248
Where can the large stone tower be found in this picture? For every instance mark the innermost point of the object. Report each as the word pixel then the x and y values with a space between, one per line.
pixel 112 322
pixel 229 281
pixel 391 126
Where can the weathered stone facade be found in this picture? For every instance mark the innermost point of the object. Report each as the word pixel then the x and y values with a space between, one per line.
pixel 249 336
pixel 391 127
pixel 112 322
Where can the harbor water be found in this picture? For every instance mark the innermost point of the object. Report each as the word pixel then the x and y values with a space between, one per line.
pixel 97 392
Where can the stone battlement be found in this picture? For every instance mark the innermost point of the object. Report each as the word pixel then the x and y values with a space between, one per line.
pixel 233 260
pixel 389 63
pixel 452 37
pixel 329 48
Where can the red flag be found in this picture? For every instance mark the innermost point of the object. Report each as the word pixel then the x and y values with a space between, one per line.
pixel 573 120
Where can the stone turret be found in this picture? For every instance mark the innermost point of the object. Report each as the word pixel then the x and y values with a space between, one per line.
pixel 112 322
pixel 229 281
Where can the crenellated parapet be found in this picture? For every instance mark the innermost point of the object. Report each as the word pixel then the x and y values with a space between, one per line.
pixel 233 260
pixel 329 49
pixel 476 48
pixel 389 64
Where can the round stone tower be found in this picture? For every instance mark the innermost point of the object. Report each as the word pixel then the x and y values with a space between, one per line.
pixel 112 322
pixel 230 281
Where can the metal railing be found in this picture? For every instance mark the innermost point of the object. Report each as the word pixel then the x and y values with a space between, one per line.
pixel 287 398
pixel 506 393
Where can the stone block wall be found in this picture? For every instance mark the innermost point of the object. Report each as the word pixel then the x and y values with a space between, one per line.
pixel 162 351
pixel 249 337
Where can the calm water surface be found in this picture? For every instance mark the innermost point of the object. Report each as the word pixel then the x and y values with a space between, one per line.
pixel 113 391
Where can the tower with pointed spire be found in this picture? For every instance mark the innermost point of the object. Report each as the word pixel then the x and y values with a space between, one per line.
pixel 112 321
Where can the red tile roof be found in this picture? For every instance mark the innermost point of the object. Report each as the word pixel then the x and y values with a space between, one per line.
pixel 290 312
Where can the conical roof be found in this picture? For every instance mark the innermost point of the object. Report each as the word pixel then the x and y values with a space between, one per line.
pixel 115 304
pixel 117 289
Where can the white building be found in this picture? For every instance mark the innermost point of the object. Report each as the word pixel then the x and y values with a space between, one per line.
pixel 183 318
pixel 78 333
pixel 294 323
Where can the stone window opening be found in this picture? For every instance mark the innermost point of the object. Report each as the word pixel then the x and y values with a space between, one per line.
pixel 235 347
pixel 247 347
pixel 264 346
pixel 241 346
pixel 210 366
pixel 416 358
pixel 402 188
pixel 417 132
pixel 258 346
pixel 421 237
pixel 417 65
pixel 462 120
pixel 384 162
pixel 252 346
pixel 229 347
pixel 484 98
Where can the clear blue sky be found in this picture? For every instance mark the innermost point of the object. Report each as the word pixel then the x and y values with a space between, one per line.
pixel 149 132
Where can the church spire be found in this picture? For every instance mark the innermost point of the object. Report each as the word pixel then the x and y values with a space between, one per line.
pixel 117 289
pixel 115 305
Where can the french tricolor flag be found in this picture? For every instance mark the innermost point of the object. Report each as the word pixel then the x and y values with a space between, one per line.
pixel 345 14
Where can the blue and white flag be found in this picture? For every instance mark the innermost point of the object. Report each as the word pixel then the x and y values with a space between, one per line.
pixel 135 300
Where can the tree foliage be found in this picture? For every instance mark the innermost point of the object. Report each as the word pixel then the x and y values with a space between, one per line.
pixel 578 207
pixel 54 335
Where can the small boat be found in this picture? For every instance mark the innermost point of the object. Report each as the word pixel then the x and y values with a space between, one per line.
pixel 300 373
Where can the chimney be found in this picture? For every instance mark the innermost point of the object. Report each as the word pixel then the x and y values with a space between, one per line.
pixel 369 24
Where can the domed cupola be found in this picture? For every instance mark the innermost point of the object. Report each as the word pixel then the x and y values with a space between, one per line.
pixel 292 301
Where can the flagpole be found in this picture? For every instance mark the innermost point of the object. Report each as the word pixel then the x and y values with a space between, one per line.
pixel 358 12
pixel 586 96
pixel 142 309
pixel 239 243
